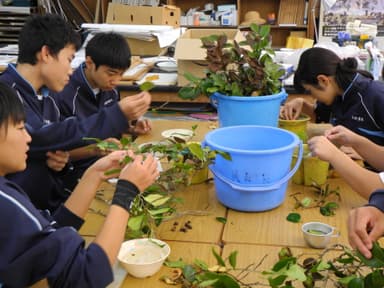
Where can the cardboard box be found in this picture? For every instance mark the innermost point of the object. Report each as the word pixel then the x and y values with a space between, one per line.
pixel 143 15
pixel 191 56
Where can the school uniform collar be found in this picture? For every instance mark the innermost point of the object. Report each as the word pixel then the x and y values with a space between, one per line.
pixel 84 78
pixel 21 81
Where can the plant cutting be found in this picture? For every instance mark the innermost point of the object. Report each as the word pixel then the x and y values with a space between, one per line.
pixel 157 203
pixel 240 70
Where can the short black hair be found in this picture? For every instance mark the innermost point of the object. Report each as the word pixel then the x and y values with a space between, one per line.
pixel 11 106
pixel 50 30
pixel 110 49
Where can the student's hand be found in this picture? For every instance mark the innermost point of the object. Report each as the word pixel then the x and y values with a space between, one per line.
pixel 321 147
pixel 99 152
pixel 341 136
pixel 141 172
pixel 143 126
pixel 292 109
pixel 135 106
pixel 108 163
pixel 365 226
pixel 351 152
pixel 57 160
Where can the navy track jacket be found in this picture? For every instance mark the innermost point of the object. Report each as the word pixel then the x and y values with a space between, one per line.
pixel 50 132
pixel 360 109
pixel 35 245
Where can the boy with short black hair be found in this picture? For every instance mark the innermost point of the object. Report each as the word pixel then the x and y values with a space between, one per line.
pixel 47 45
pixel 92 87
pixel 36 245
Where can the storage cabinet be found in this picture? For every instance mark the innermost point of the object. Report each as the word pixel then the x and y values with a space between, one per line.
pixel 264 7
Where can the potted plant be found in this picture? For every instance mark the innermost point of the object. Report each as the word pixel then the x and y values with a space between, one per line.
pixel 237 70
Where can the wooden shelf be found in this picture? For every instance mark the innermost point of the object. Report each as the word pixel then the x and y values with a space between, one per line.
pixel 279 32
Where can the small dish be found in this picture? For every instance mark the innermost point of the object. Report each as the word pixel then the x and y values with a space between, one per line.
pixel 143 257
pixel 178 135
pixel 317 234
pixel 168 66
pixel 113 181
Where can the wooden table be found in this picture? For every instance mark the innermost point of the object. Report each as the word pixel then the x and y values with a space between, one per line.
pixel 254 235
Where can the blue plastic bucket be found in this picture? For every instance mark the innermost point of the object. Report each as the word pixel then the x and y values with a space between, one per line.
pixel 257 176
pixel 252 110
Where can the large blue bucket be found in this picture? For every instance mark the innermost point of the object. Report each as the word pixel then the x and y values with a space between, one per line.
pixel 252 110
pixel 257 176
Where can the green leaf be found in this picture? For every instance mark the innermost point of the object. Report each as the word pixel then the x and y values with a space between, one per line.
pixel 306 202
pixel 377 251
pixel 157 199
pixel 189 93
pixel 112 172
pixel 196 150
pixel 277 281
pixel 346 280
pixel 175 264
pixel 320 266
pixel 189 273
pixel 208 283
pixel 146 86
pixel 296 272
pixel 201 264
pixel 356 283
pixel 135 222
pixel 221 219
pixel 294 217
pixel 232 259
pixel 159 211
pixel 219 260
pixel 283 263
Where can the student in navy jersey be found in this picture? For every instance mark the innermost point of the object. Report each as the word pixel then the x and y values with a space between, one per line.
pixel 47 45
pixel 37 245
pixel 92 87
pixel 344 95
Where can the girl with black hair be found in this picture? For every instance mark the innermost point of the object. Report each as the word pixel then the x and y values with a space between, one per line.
pixel 344 95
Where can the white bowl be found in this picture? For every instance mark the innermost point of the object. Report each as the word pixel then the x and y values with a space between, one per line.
pixel 317 234
pixel 143 257
pixel 177 134
pixel 168 66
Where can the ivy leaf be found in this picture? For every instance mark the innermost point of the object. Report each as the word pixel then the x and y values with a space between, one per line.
pixel 156 199
pixel 189 273
pixel 208 283
pixel 135 222
pixel 306 202
pixel 221 219
pixel 232 259
pixel 277 281
pixel 296 272
pixel 219 260
pixel 294 217
pixel 175 264
pixel 356 283
pixel 201 264
pixel 146 86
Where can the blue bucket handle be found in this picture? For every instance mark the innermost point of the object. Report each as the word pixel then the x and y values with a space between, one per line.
pixel 273 186
pixel 214 99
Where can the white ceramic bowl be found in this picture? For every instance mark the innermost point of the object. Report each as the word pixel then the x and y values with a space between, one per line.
pixel 317 234
pixel 143 257
pixel 178 134
pixel 168 66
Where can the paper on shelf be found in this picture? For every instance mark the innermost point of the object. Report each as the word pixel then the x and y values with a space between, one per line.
pixel 165 34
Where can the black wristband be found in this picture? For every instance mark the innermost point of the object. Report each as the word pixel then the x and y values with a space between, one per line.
pixel 124 194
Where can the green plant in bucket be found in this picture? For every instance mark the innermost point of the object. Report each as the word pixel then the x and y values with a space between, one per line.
pixel 239 69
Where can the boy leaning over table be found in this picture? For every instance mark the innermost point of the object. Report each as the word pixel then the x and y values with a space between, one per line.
pixel 37 245
pixel 47 45
pixel 91 88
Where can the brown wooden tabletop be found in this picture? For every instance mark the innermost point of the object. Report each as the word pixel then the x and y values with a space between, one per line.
pixel 253 235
